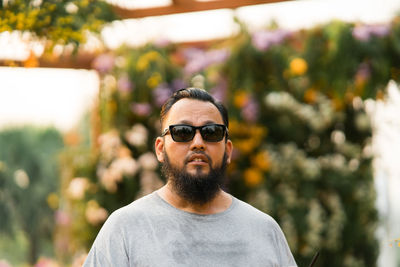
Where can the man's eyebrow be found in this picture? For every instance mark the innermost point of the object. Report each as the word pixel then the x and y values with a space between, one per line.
pixel 184 122
pixel 191 123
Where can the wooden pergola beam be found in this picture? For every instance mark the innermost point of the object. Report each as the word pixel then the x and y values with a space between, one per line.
pixel 81 61
pixel 184 6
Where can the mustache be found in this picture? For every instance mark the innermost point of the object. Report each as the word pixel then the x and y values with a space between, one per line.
pixel 198 153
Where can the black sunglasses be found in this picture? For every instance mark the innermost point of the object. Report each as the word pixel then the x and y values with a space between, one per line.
pixel 186 133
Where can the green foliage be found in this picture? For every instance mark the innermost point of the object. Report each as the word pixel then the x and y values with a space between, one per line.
pixel 29 174
pixel 63 22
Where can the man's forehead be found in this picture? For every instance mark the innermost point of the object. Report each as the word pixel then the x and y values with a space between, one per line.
pixel 192 111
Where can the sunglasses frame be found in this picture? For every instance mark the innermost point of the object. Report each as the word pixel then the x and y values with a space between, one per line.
pixel 169 129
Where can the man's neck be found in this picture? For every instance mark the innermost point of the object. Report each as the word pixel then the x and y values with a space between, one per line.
pixel 219 203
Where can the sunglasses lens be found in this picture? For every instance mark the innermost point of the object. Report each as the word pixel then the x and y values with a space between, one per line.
pixel 182 133
pixel 212 133
pixel 209 133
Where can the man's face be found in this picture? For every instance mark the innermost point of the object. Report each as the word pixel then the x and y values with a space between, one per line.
pixel 194 168
pixel 196 156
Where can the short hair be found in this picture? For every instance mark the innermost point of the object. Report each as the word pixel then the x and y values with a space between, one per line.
pixel 197 94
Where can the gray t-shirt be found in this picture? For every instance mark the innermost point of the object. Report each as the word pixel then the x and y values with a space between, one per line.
pixel 151 232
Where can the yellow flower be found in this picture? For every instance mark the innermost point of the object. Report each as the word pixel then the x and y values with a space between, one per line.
pixel 240 99
pixel 144 60
pixel 154 80
pixel 142 64
pixel 52 201
pixel 298 66
pixel 253 177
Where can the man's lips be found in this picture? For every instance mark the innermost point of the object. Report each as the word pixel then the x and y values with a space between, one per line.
pixel 197 159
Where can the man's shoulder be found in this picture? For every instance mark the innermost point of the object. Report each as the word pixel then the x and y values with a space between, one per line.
pixel 135 209
pixel 141 204
pixel 253 214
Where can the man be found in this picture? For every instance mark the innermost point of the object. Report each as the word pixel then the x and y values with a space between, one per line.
pixel 191 221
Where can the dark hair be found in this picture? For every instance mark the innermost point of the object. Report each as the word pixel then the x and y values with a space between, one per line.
pixel 193 93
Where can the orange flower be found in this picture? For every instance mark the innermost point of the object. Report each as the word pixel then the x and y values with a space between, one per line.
pixel 298 66
pixel 380 95
pixel 72 138
pixel 253 177
pixel 310 96
pixel 31 61
pixel 261 160
pixel 124 152
pixel 245 146
pixel 337 104
pixel 246 137
pixel 240 99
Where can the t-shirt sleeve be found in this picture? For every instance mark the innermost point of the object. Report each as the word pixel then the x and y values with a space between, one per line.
pixel 109 247
pixel 286 257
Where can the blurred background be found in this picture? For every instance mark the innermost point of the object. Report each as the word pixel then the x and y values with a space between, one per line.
pixel 312 89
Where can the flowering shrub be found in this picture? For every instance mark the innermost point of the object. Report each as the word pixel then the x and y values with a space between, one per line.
pixel 59 22
pixel 300 132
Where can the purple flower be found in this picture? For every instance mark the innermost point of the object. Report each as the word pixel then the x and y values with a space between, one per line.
pixel 217 56
pixel 161 94
pixel 219 91
pixel 364 32
pixel 196 60
pixel 124 84
pixel 264 39
pixel 178 84
pixel 141 109
pixel 199 60
pixel 380 30
pixel 250 111
pixel 192 53
pixel 364 71
pixel 361 33
pixel 104 63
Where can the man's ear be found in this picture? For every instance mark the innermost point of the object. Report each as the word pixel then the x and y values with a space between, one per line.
pixel 159 148
pixel 228 150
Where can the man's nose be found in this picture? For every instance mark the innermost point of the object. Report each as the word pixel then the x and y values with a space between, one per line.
pixel 197 142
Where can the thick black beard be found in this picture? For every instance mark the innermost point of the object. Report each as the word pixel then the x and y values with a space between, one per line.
pixel 199 188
